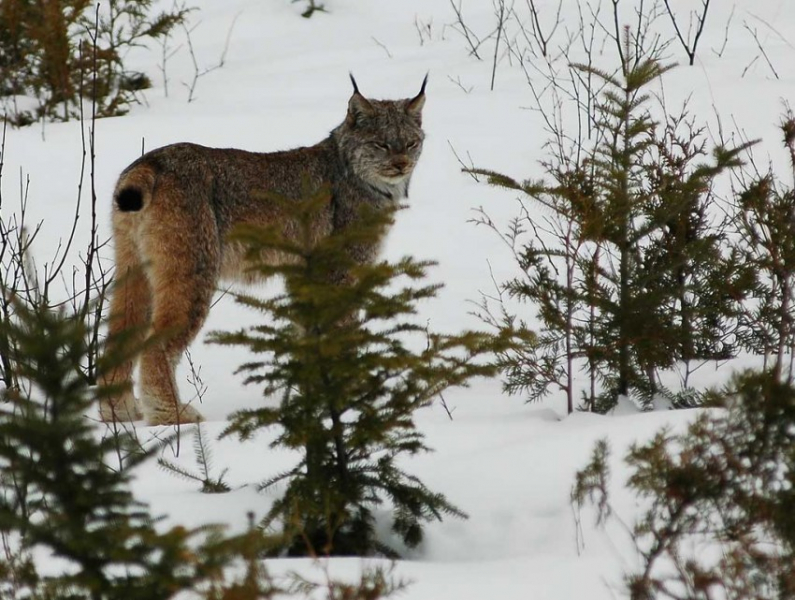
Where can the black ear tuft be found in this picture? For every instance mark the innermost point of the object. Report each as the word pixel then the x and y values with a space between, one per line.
pixel 424 83
pixel 358 105
pixel 353 81
pixel 414 106
pixel 130 199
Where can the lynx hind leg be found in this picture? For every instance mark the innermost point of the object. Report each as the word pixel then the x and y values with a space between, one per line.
pixel 130 305
pixel 183 254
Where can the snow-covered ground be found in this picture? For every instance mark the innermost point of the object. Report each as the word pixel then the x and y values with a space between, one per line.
pixel 285 83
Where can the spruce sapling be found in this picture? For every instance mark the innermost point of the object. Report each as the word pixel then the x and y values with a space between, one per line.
pixel 203 454
pixel 58 494
pixel 765 241
pixel 718 520
pixel 349 367
pixel 625 263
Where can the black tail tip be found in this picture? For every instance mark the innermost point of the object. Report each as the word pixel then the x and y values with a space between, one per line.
pixel 130 200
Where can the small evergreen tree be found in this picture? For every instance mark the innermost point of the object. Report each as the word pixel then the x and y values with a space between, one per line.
pixel 765 240
pixel 719 522
pixel 66 51
pixel 698 280
pixel 203 453
pixel 58 493
pixel 661 251
pixel 630 274
pixel 349 368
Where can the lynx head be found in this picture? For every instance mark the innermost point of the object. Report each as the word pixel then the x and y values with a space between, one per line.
pixel 381 140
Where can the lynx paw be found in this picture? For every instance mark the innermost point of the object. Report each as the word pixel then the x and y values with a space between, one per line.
pixel 175 415
pixel 124 408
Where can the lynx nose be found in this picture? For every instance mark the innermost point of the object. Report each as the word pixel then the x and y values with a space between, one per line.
pixel 401 164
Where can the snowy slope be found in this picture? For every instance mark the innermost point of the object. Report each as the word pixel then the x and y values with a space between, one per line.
pixel 285 83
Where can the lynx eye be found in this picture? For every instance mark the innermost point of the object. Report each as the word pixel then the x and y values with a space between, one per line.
pixel 412 145
pixel 379 146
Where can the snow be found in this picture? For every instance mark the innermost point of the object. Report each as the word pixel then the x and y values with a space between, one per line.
pixel 284 83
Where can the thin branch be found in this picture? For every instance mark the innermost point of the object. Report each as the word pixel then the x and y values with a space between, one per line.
pixel 761 49
pixel 701 19
pixel 468 34
pixel 500 27
pixel 388 53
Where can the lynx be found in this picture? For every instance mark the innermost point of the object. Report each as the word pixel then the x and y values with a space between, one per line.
pixel 175 206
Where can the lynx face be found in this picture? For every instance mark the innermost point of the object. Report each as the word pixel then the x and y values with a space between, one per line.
pixel 391 141
pixel 382 140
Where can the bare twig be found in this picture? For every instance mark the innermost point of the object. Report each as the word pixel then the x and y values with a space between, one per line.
pixel 445 407
pixel 473 41
pixel 165 55
pixel 701 18
pixel 719 53
pixel 424 30
pixel 749 65
pixel 464 167
pixel 195 378
pixel 540 37
pixel 198 73
pixel 457 81
pixel 93 244
pixel 223 293
pixel 388 53
pixel 775 31
pixel 617 29
pixel 759 45
pixel 500 10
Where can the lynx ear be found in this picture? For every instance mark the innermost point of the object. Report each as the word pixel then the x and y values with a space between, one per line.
pixel 414 106
pixel 358 105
